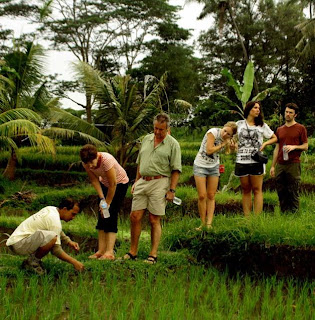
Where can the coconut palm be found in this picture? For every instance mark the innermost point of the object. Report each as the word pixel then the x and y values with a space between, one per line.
pixel 25 103
pixel 123 108
pixel 306 46
pixel 223 9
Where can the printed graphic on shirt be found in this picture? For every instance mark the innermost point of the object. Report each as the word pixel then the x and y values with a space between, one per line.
pixel 248 139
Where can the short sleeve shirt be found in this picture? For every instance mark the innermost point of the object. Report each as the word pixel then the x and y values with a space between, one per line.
pixel 202 158
pixel 108 162
pixel 294 135
pixel 159 160
pixel 250 138
pixel 47 219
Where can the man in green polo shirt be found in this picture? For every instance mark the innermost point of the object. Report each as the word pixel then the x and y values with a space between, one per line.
pixel 159 167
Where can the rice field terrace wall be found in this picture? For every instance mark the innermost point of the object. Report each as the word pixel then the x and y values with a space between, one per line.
pixel 265 244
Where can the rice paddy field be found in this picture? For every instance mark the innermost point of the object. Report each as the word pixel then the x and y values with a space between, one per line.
pixel 208 274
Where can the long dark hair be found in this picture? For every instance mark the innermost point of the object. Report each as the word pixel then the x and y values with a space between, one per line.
pixel 259 121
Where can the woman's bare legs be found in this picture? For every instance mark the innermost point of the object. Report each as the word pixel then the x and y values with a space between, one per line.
pixel 206 188
pixel 212 186
pixel 251 184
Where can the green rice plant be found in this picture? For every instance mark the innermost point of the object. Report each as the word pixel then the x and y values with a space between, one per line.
pixel 53 197
pixel 187 135
pixel 186 174
pixel 138 291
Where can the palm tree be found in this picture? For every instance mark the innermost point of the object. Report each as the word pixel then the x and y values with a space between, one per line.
pixel 221 8
pixel 122 107
pixel 306 46
pixel 25 103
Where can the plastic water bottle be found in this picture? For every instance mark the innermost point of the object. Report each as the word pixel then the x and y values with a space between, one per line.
pixel 177 201
pixel 285 154
pixel 105 208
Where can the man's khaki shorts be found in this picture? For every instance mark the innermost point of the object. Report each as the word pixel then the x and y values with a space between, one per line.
pixel 151 195
pixel 31 243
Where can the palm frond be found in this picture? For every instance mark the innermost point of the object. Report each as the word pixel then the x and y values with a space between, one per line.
pixel 20 113
pixel 42 143
pixel 70 134
pixel 7 143
pixel 92 80
pixel 69 121
pixel 19 127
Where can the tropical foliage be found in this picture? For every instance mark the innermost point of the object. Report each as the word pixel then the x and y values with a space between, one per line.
pixel 28 113
pixel 125 111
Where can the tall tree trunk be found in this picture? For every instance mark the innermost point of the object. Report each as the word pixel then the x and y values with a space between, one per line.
pixel 88 108
pixel 256 90
pixel 9 171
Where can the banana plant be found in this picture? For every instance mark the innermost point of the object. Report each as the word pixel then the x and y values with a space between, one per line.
pixel 243 92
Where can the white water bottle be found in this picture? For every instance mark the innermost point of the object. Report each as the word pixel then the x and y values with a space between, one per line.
pixel 177 201
pixel 285 154
pixel 105 208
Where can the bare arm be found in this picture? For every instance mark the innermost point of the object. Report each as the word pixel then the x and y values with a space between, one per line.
pixel 112 183
pixel 274 160
pixel 174 180
pixel 95 183
pixel 272 140
pixel 302 147
pixel 60 254
pixel 210 147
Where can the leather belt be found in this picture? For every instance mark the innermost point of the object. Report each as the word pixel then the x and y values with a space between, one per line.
pixel 149 178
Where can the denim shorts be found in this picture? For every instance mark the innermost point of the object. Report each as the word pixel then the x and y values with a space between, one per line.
pixel 249 169
pixel 206 172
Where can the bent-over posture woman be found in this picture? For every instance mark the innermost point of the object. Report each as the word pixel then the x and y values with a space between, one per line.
pixel 206 168
pixel 251 133
pixel 111 183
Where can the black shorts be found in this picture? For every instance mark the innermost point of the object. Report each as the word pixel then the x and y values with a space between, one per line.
pixel 110 224
pixel 249 169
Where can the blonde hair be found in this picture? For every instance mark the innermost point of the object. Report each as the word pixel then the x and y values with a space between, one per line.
pixel 233 126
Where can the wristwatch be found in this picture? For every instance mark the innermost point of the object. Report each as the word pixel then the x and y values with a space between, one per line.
pixel 173 190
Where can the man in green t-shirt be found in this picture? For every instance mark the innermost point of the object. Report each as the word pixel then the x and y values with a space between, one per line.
pixel 159 167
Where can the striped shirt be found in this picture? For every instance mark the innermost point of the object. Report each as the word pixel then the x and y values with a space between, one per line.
pixel 107 162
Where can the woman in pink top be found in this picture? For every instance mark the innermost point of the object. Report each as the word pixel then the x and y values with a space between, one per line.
pixel 111 183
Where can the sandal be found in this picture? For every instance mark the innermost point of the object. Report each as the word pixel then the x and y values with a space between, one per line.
pixel 151 260
pixel 107 257
pixel 95 256
pixel 129 256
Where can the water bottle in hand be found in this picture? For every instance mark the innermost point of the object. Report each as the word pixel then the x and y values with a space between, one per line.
pixel 177 201
pixel 105 208
pixel 285 154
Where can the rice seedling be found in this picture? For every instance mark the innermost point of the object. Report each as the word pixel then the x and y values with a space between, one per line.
pixel 134 291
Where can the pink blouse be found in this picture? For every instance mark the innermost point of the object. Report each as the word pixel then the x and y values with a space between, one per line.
pixel 107 162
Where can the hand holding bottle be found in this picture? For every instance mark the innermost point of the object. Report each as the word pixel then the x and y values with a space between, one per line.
pixel 104 208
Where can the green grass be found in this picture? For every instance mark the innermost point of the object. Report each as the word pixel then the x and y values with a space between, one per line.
pixel 137 291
